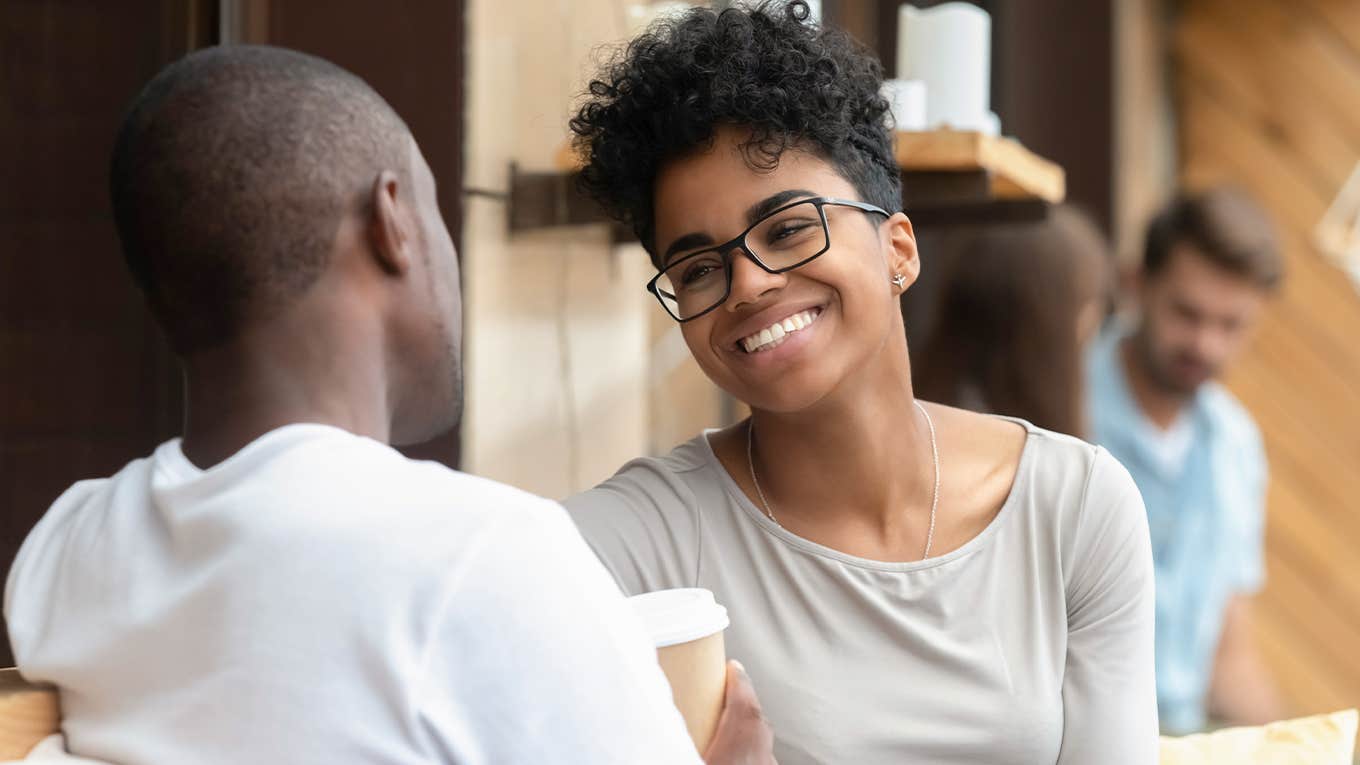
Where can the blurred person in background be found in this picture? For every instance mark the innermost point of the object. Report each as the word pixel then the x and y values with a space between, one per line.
pixel 1211 260
pixel 1018 305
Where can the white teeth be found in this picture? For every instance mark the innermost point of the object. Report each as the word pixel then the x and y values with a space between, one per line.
pixel 774 334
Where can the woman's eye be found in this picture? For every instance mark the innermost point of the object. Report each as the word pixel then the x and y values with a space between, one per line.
pixel 788 230
pixel 696 273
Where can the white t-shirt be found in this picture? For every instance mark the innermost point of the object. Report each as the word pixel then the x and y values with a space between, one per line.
pixel 318 598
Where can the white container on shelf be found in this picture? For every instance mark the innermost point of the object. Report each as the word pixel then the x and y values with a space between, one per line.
pixel 907 100
pixel 949 48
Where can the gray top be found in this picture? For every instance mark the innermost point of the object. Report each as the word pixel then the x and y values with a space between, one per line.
pixel 1031 643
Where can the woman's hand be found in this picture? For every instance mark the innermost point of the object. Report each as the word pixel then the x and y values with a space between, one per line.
pixel 744 736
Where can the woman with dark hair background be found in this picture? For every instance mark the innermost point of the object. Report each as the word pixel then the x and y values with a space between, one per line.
pixel 1017 305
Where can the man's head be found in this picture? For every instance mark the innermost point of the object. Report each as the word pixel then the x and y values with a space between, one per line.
pixel 251 183
pixel 1211 260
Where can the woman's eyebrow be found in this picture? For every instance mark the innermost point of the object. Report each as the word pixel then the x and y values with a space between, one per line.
pixel 686 242
pixel 753 213
pixel 773 202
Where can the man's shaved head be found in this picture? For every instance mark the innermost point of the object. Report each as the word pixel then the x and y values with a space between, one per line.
pixel 230 176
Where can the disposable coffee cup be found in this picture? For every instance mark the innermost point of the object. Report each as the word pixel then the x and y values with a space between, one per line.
pixel 686 625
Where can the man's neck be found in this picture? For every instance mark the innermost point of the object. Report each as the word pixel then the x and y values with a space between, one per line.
pixel 236 393
pixel 1160 406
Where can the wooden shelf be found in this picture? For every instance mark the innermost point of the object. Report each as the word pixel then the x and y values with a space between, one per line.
pixel 1014 171
pixel 948 176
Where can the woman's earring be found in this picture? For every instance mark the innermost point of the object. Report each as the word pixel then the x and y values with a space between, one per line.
pixel 899 281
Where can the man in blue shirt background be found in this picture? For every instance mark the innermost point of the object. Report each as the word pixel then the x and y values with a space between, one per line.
pixel 1210 262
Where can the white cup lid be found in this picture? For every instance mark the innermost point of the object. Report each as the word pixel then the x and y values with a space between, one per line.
pixel 678 616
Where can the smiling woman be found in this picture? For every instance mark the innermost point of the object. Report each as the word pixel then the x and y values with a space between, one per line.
pixel 907 581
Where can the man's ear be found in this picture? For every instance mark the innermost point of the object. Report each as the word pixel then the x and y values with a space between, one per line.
pixel 389 230
pixel 903 257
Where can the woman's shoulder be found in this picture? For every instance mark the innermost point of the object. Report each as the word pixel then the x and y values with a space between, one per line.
pixel 1086 499
pixel 1048 465
pixel 1083 473
pixel 653 481
pixel 645 522
pixel 1059 480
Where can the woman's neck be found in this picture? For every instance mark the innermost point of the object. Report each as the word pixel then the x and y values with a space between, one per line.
pixel 862 454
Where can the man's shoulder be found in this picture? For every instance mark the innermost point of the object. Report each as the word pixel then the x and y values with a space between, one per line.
pixel 80 513
pixel 438 515
pixel 372 478
pixel 354 500
pixel 85 499
pixel 427 479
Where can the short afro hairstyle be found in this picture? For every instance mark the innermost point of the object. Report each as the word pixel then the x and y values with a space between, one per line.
pixel 792 83
pixel 230 176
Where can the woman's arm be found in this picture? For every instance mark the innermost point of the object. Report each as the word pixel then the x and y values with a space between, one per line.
pixel 1109 689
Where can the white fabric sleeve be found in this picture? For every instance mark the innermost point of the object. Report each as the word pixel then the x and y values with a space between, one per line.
pixel 537 659
pixel 1109 690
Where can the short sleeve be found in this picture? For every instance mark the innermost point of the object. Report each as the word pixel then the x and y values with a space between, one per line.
pixel 1109 692
pixel 644 525
pixel 536 658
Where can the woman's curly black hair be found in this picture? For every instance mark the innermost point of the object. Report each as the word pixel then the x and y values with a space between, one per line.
pixel 767 69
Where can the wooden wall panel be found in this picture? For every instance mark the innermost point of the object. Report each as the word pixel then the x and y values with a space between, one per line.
pixel 1269 98
pixel 86 382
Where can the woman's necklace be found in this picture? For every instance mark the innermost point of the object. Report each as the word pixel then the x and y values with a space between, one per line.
pixel 934 497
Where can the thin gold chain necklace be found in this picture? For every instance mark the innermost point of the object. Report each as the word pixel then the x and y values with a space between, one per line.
pixel 934 497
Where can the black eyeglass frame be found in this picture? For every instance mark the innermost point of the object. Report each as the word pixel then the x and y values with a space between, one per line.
pixel 725 249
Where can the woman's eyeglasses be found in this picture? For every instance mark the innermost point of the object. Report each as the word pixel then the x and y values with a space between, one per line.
pixel 791 236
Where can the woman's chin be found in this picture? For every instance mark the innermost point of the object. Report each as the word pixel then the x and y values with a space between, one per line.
pixel 789 395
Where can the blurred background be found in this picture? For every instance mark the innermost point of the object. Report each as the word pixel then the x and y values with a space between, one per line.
pixel 571 368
